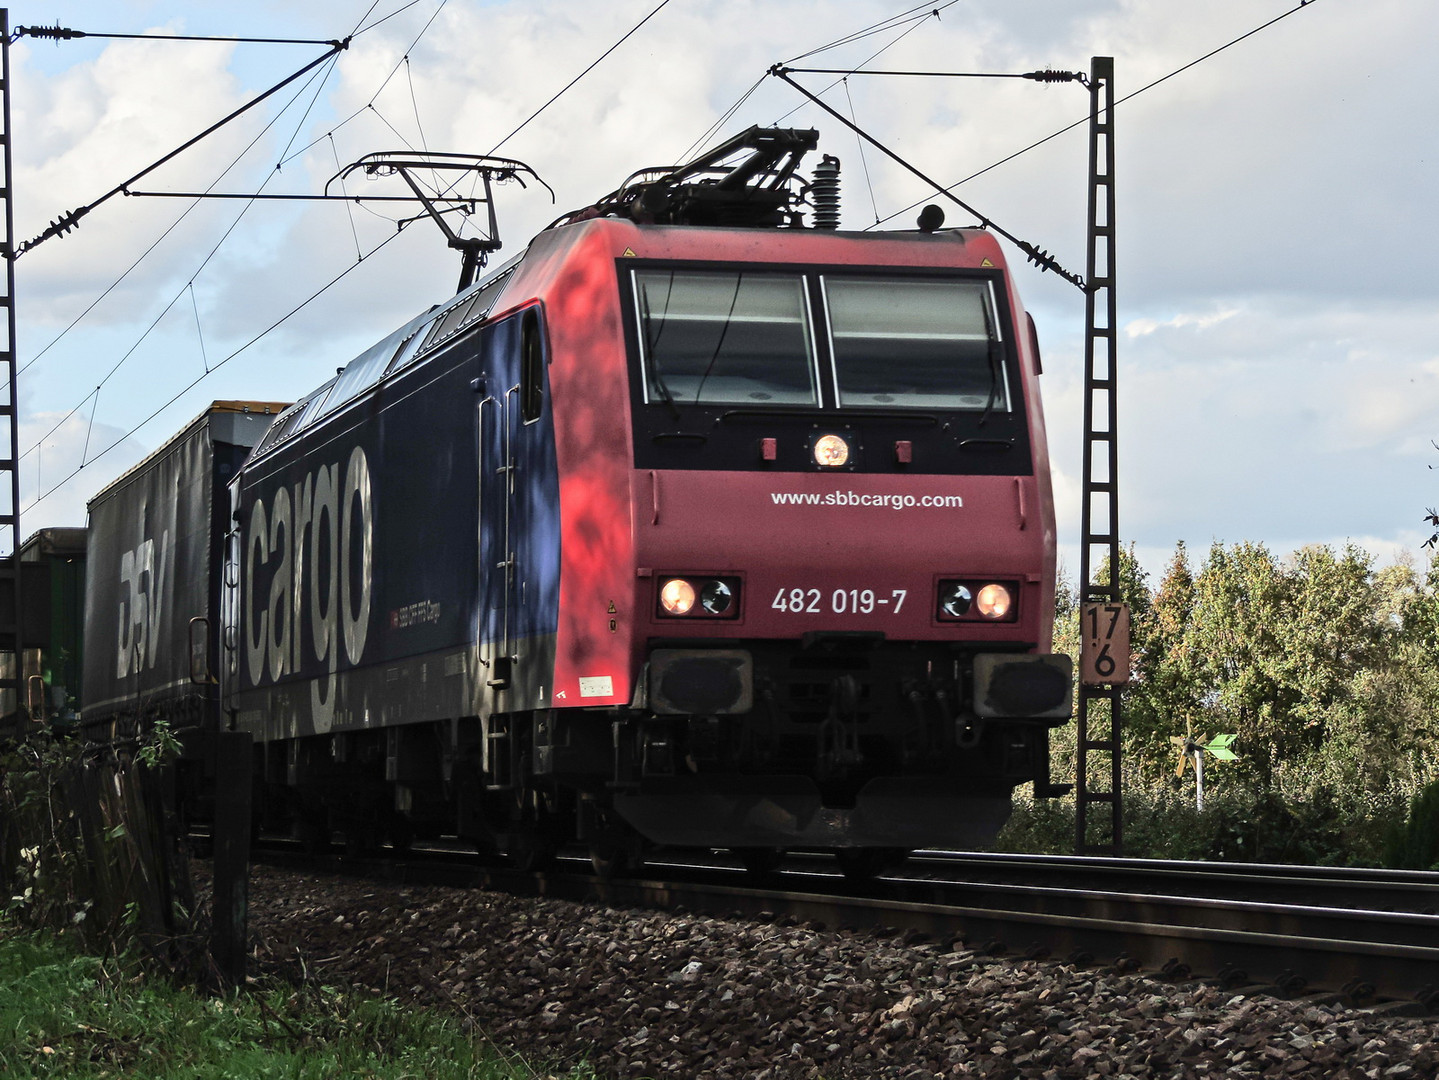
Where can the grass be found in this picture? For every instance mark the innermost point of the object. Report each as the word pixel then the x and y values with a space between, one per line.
pixel 79 1017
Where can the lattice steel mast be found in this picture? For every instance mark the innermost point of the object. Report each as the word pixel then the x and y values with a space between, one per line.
pixel 1100 714
pixel 11 630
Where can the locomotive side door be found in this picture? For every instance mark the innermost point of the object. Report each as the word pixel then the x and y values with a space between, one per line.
pixel 498 478
pixel 518 541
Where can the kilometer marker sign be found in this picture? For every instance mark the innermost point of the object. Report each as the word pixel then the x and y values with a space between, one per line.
pixel 1104 644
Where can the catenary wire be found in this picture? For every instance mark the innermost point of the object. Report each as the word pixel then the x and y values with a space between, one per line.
pixel 628 34
pixel 235 161
pixel 66 416
pixel 859 144
pixel 1084 120
pixel 219 364
pixel 918 13
pixel 915 25
pixel 869 31
pixel 378 90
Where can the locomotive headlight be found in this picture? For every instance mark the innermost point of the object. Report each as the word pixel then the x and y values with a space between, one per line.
pixel 716 597
pixel 974 600
pixel 698 596
pixel 677 596
pixel 831 451
pixel 993 601
pixel 954 599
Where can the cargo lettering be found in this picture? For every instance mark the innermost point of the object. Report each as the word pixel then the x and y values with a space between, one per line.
pixel 317 539
pixel 143 577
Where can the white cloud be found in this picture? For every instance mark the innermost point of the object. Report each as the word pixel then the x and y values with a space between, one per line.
pixel 65 464
pixel 1141 327
pixel 1278 363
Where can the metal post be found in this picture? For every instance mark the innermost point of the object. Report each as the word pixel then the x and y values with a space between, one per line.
pixel 1100 713
pixel 10 607
pixel 233 777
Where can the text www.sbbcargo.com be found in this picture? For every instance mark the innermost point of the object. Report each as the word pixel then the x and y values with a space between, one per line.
pixel 856 498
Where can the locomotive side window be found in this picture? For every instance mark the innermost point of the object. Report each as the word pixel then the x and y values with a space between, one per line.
pixel 295 417
pixel 362 372
pixel 532 367
pixel 915 343
pixel 711 337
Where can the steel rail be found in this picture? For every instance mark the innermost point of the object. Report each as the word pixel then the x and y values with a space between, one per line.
pixel 1321 886
pixel 1355 954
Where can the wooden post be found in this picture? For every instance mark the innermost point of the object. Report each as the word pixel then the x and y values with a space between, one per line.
pixel 233 767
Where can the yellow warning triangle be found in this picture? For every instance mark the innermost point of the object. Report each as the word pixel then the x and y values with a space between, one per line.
pixel 629 253
pixel 987 263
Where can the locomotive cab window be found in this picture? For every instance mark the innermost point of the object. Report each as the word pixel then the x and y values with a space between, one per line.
pixel 745 366
pixel 735 338
pixel 532 367
pixel 915 343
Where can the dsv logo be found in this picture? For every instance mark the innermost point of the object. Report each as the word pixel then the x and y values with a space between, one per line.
pixel 143 579
pixel 316 542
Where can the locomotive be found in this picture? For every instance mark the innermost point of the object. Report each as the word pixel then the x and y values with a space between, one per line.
pixel 695 525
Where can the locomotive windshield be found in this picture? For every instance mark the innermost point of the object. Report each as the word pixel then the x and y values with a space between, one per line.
pixel 923 344
pixel 725 338
pixel 747 338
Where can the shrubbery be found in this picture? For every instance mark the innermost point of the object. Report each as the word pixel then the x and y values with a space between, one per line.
pixel 1327 672
pixel 1243 825
pixel 86 846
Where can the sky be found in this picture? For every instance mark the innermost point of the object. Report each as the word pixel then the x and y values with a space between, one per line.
pixel 1278 345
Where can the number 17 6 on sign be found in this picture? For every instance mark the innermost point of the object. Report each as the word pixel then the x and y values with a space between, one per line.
pixel 1104 644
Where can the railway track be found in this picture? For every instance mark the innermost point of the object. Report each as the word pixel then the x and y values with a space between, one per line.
pixel 1283 930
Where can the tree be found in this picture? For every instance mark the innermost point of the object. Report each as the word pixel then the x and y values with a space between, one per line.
pixel 1166 697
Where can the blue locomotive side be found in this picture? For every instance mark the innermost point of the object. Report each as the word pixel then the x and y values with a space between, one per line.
pixel 396 552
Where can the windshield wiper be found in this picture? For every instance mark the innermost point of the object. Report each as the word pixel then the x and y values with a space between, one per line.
pixel 652 355
pixel 995 370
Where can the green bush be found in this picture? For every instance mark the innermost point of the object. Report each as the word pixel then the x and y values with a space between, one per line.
pixel 1241 824
pixel 86 845
pixel 1413 843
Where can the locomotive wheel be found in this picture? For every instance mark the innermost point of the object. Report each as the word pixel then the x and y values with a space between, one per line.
pixel 866 864
pixel 759 861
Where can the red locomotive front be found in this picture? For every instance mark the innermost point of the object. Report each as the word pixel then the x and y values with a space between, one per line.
pixel 819 461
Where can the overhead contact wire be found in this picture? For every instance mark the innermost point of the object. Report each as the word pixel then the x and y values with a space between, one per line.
pixel 868 60
pixel 630 33
pixel 859 144
pixel 387 18
pixel 150 329
pixel 1085 119
pixel 869 31
pixel 196 381
pixel 918 13
pixel 160 239
pixel 370 105
pixel 336 47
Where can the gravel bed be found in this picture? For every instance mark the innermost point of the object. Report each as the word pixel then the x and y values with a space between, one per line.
pixel 641 994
